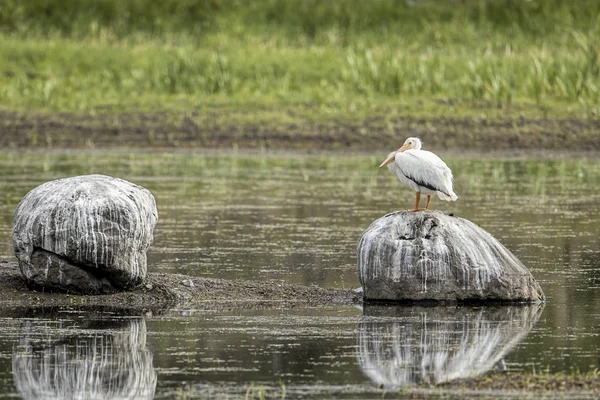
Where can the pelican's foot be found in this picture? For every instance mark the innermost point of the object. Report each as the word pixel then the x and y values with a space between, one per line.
pixel 415 210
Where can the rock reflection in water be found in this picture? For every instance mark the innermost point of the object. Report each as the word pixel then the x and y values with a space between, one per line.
pixel 401 345
pixel 94 360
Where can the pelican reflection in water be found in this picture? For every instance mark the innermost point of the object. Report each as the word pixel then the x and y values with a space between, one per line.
pixel 423 171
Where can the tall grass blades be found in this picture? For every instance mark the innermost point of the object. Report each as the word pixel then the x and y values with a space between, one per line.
pixel 82 54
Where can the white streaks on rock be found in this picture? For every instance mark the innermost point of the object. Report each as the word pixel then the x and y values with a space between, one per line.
pixel 431 256
pixel 95 223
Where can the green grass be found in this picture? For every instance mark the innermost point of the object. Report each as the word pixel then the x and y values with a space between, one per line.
pixel 349 58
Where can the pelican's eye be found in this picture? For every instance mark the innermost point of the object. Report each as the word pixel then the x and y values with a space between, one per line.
pixel 409 143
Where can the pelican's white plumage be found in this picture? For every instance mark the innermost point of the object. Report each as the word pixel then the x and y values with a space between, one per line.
pixel 423 171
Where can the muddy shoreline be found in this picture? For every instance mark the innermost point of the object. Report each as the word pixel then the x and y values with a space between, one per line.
pixel 517 385
pixel 215 129
pixel 161 291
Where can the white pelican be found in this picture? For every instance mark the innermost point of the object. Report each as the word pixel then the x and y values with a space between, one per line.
pixel 422 170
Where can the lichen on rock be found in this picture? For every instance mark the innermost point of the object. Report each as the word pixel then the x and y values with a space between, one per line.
pixel 428 255
pixel 86 234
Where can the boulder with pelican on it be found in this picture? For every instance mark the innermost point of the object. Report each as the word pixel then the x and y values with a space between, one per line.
pixel 420 255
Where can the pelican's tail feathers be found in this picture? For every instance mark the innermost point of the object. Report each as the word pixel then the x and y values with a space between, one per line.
pixel 445 197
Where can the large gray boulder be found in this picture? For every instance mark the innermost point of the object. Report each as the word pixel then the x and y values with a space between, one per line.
pixel 85 234
pixel 428 255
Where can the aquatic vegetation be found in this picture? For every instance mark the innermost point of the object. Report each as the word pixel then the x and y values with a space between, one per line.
pixel 259 392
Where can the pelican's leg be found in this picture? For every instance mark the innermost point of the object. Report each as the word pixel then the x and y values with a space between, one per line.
pixel 416 203
pixel 428 200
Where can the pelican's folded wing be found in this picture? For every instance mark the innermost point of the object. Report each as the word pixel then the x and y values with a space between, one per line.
pixel 426 169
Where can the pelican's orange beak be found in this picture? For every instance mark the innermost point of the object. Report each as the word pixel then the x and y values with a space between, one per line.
pixel 389 159
pixel 393 155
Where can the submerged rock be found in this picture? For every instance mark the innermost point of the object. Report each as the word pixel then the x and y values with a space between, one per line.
pixel 86 234
pixel 431 256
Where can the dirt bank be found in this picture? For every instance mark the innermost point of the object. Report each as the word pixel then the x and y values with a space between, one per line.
pixel 161 291
pixel 222 129
pixel 516 385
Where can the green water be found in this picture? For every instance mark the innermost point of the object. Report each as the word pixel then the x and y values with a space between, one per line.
pixel 297 218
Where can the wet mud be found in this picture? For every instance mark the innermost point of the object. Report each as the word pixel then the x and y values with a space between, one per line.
pixel 518 385
pixel 162 291
pixel 225 129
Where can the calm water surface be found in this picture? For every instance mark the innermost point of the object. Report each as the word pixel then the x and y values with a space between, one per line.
pixel 297 218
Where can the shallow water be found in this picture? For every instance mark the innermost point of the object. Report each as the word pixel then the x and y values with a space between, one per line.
pixel 297 218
